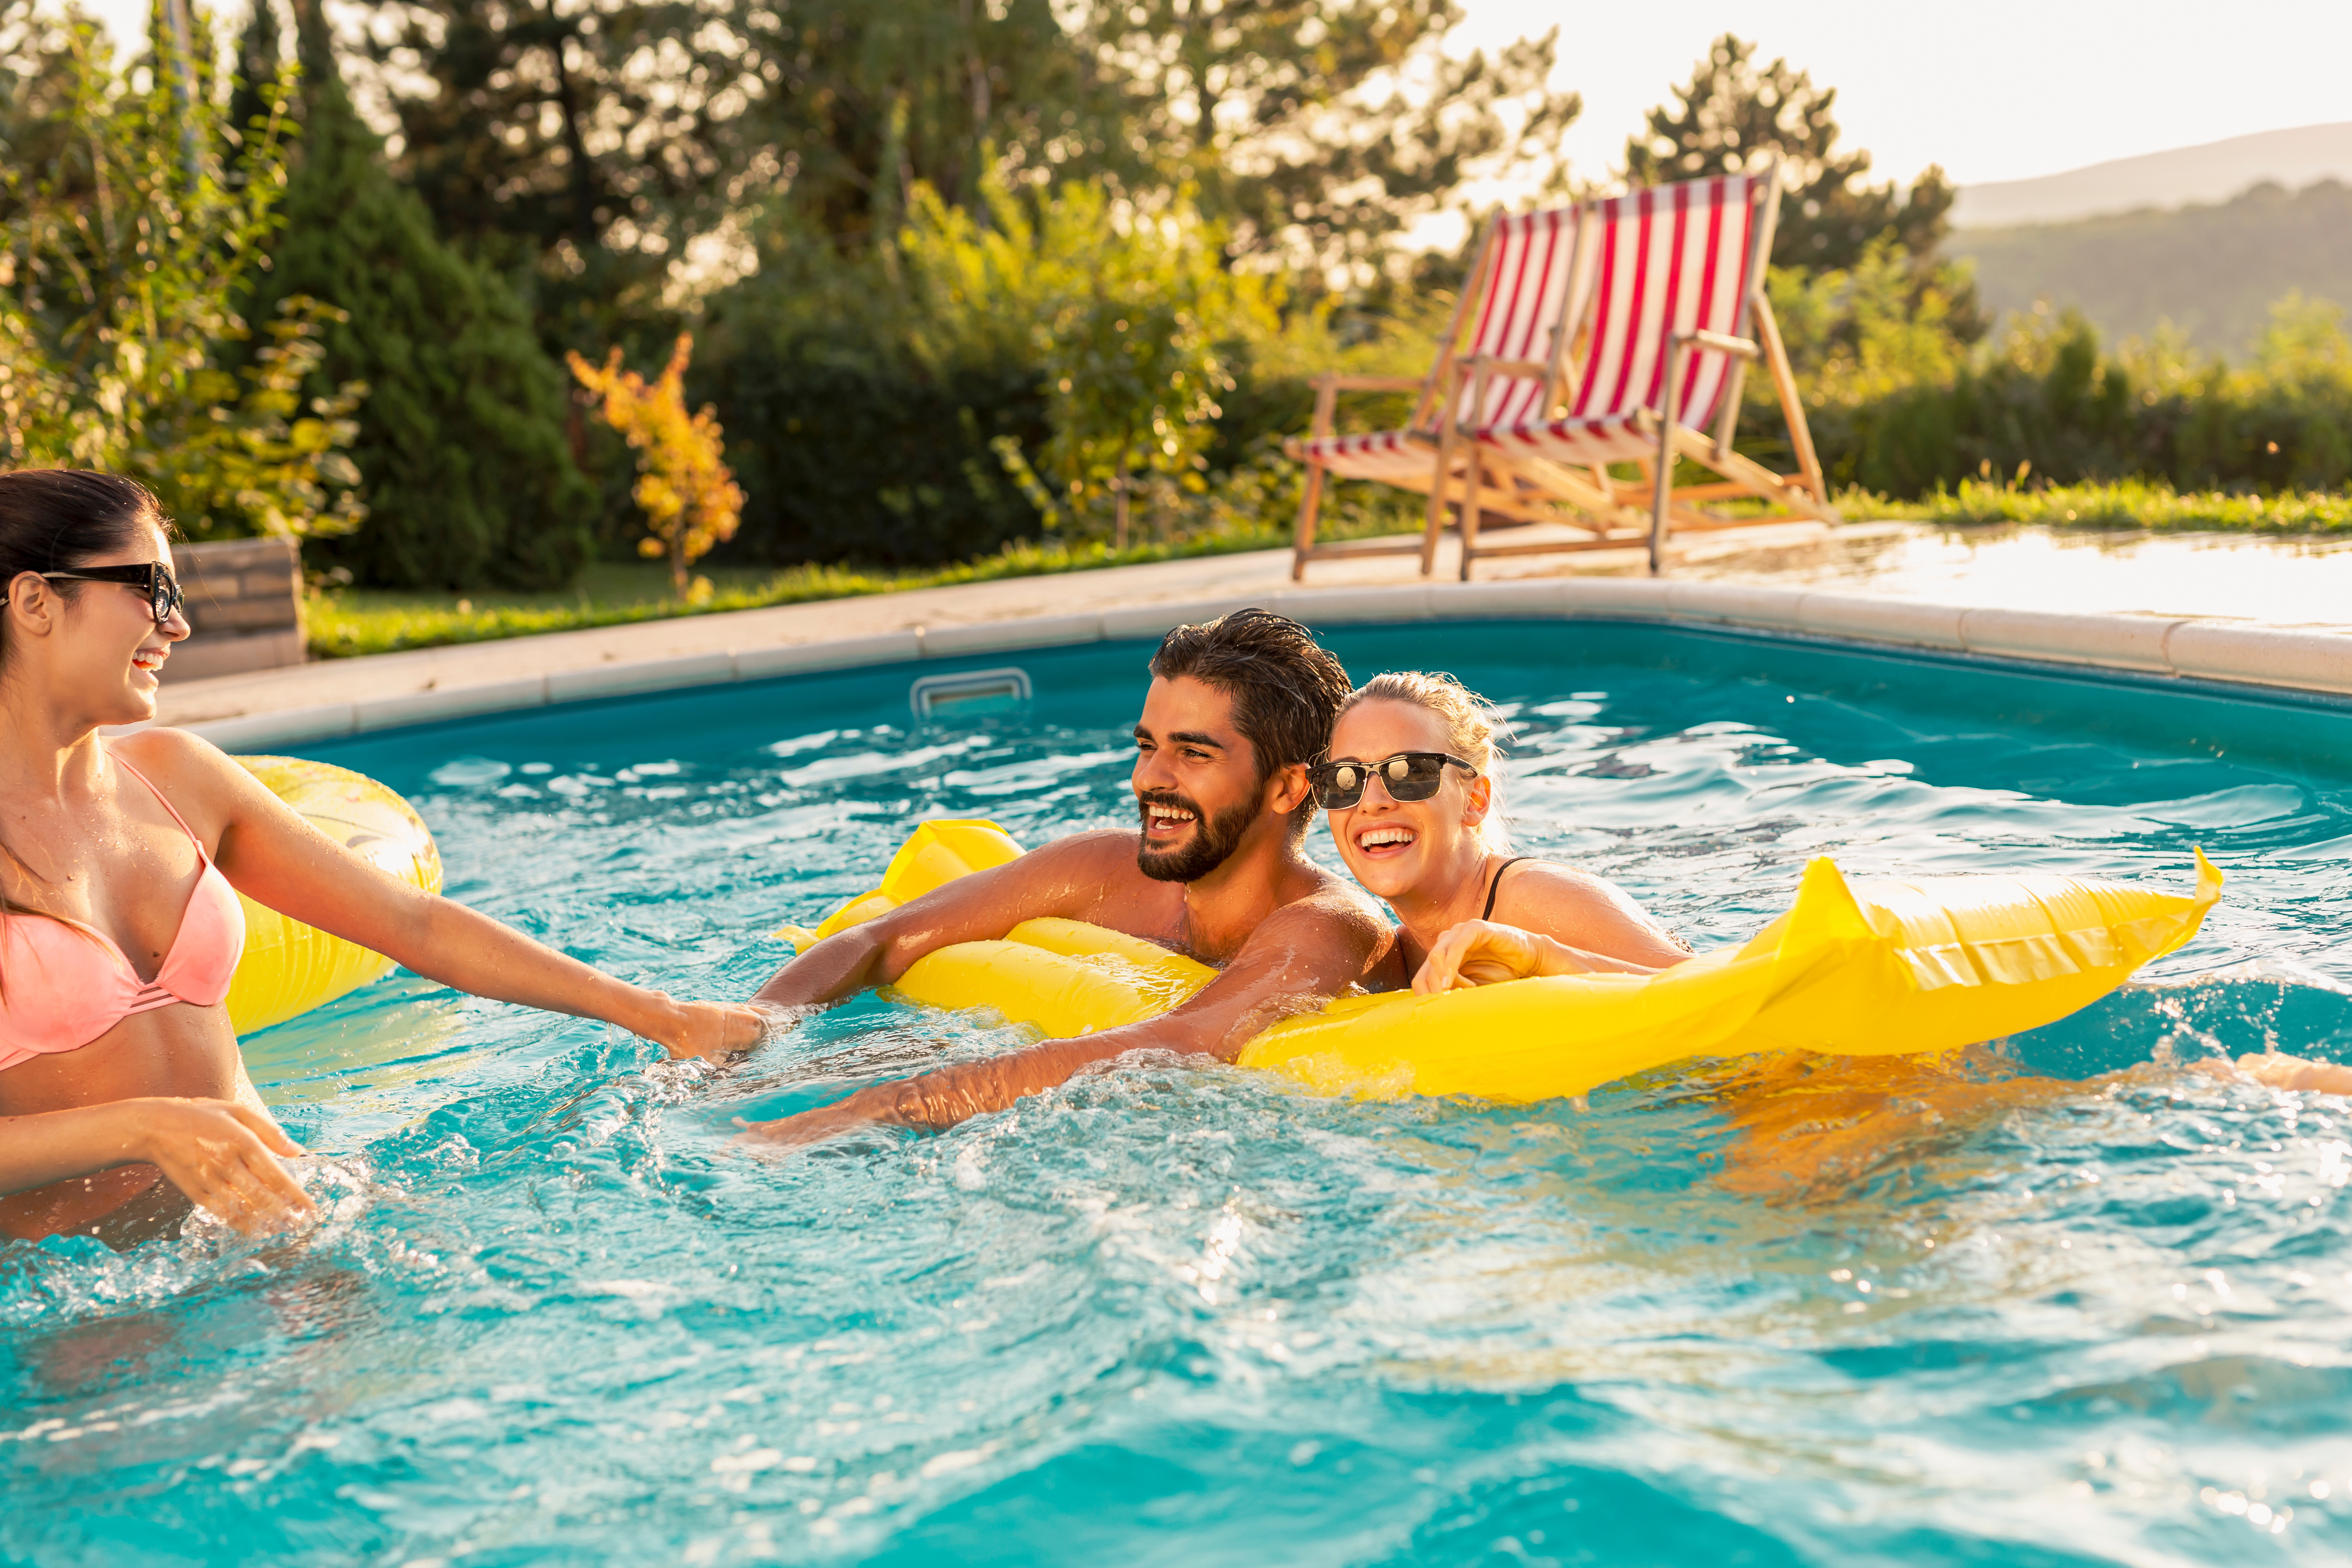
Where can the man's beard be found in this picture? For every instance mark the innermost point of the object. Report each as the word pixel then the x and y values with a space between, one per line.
pixel 1213 840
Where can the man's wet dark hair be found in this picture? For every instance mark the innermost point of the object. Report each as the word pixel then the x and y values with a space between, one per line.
pixel 1285 688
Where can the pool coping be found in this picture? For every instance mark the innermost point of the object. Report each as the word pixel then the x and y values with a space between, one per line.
pixel 2203 651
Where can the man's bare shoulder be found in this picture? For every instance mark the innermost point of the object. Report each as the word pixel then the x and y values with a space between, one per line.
pixel 1326 902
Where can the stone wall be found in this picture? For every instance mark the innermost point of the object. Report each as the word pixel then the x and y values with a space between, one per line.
pixel 245 601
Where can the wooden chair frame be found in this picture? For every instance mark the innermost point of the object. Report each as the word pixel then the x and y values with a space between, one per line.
pixel 1801 495
pixel 1454 389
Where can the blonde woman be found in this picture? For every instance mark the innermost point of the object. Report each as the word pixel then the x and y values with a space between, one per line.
pixel 1409 784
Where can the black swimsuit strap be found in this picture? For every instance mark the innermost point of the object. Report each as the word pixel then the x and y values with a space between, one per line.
pixel 1496 886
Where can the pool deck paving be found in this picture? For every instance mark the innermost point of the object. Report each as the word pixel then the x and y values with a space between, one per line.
pixel 1793 579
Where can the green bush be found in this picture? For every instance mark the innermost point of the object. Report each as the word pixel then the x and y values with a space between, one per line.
pixel 1892 413
pixel 470 481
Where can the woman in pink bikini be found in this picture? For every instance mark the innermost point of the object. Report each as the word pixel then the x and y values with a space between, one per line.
pixel 123 1097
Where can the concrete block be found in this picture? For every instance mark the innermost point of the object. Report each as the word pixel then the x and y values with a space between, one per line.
pixel 2267 656
pixel 1012 636
pixel 1152 622
pixel 229 652
pixel 1739 604
pixel 450 703
pixel 623 679
pixel 1914 622
pixel 287 727
pixel 1354 606
pixel 1608 597
pixel 843 653
pixel 1525 597
pixel 2114 642
pixel 207 615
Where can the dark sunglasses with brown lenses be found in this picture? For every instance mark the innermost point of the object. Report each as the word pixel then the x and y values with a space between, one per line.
pixel 163 592
pixel 1408 776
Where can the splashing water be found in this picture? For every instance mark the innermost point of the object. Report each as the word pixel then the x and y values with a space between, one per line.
pixel 2061 1299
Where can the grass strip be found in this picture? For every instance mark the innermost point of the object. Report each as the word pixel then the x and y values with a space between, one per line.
pixel 343 626
pixel 2134 505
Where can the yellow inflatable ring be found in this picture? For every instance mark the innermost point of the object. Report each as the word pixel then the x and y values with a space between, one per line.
pixel 289 968
pixel 1877 968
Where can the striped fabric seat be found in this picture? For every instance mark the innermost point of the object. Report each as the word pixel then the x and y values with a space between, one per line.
pixel 1398 456
pixel 1521 293
pixel 1669 259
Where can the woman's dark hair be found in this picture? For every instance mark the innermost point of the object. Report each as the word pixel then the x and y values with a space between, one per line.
pixel 1284 687
pixel 53 519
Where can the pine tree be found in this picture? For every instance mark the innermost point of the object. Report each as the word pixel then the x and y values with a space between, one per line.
pixel 1734 114
pixel 469 479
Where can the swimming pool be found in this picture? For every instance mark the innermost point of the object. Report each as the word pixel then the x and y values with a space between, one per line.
pixel 2065 1304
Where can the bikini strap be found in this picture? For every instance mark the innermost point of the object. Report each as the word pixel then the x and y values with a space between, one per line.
pixel 1495 887
pixel 125 763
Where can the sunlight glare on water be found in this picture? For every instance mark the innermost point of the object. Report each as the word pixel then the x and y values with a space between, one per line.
pixel 2062 1301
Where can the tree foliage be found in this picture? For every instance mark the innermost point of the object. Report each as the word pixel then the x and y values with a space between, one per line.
pixel 1127 313
pixel 133 226
pixel 581 146
pixel 690 497
pixel 1735 115
pixel 1317 131
pixel 461 442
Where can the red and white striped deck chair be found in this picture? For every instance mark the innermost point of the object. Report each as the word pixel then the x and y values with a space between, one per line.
pixel 1677 301
pixel 1508 371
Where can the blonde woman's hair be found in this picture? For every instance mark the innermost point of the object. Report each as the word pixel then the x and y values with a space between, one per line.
pixel 1474 731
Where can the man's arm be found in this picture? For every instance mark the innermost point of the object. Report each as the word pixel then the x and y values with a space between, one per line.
pixel 1056 879
pixel 1300 957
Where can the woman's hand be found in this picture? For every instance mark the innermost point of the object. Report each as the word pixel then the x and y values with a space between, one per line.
pixel 1483 952
pixel 223 1156
pixel 714 1029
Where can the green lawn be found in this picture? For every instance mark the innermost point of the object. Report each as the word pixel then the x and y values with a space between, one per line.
pixel 344 622
pixel 2129 504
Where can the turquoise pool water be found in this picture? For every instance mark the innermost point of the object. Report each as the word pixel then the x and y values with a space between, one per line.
pixel 2066 1303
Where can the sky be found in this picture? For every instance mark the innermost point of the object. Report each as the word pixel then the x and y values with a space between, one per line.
pixel 1992 90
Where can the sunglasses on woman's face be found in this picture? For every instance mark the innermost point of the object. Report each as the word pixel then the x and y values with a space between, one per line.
pixel 164 594
pixel 1408 776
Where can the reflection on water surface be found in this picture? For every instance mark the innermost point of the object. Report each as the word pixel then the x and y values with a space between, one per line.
pixel 2058 1299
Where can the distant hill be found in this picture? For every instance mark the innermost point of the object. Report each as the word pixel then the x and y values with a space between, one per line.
pixel 2212 172
pixel 2213 270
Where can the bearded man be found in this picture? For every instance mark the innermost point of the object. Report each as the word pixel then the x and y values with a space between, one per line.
pixel 1238 711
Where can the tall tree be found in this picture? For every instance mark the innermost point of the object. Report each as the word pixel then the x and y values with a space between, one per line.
pixel 581 146
pixel 867 102
pixel 1317 129
pixel 461 441
pixel 1734 115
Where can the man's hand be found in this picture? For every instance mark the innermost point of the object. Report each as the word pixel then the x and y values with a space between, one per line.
pixel 2277 1069
pixel 867 1107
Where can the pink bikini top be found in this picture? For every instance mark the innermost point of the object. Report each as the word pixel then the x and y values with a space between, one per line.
pixel 63 983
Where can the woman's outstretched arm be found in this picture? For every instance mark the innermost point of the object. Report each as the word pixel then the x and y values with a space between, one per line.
pixel 270 854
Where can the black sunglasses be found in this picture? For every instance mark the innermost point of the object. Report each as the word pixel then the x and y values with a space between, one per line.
pixel 1407 776
pixel 163 592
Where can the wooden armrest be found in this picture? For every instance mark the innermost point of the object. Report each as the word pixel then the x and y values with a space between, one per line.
pixel 1506 366
pixel 1371 383
pixel 1720 341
